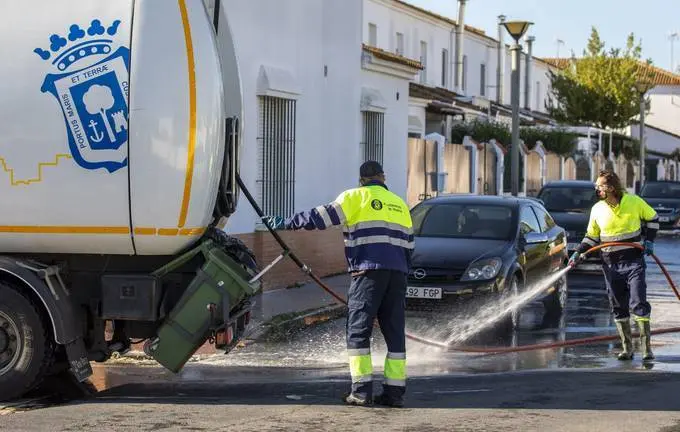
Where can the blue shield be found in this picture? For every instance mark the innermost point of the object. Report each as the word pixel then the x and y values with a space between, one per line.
pixel 94 101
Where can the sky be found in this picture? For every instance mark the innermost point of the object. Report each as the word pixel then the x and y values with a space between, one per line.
pixel 652 21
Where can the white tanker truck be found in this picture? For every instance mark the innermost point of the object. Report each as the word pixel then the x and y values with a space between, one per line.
pixel 118 166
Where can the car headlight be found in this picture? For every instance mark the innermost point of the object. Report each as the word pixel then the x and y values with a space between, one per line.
pixel 483 270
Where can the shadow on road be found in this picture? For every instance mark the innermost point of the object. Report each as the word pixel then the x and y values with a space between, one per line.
pixel 582 390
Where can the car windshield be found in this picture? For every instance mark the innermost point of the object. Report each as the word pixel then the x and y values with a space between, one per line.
pixel 565 199
pixel 463 221
pixel 661 190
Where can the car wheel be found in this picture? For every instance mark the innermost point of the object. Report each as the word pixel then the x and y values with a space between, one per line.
pixel 557 301
pixel 512 320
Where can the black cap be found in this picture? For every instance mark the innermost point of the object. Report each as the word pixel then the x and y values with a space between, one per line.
pixel 370 169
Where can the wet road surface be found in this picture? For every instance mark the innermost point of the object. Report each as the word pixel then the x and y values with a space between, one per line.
pixel 587 314
pixel 295 384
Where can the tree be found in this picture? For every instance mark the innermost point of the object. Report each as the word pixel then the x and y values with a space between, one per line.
pixel 598 89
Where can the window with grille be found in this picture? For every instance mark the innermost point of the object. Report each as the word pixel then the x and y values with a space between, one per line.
pixel 276 155
pixel 482 80
pixel 372 136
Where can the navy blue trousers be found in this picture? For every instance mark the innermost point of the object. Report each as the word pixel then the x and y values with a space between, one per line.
pixel 381 294
pixel 627 288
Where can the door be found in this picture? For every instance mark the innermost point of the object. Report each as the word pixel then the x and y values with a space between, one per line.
pixel 534 246
pixel 556 251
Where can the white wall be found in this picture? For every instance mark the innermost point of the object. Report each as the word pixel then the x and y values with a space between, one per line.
pixel 656 139
pixel 300 37
pixel 391 17
pixel 396 130
pixel 665 108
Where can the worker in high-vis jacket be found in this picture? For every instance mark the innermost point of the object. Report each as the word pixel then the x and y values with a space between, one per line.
pixel 623 217
pixel 378 244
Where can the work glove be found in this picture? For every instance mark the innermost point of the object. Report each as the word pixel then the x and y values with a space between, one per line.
pixel 649 247
pixel 574 259
pixel 274 222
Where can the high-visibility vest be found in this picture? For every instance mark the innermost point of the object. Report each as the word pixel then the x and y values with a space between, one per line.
pixel 623 223
pixel 378 230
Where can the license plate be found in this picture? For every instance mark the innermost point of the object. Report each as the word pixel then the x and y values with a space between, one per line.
pixel 664 219
pixel 572 246
pixel 423 292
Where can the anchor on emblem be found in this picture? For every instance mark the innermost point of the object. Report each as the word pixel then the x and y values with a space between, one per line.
pixel 98 136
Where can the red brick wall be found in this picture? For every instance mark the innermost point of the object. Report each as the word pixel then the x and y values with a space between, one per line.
pixel 323 251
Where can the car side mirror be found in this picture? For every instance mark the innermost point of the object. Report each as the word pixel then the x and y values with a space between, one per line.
pixel 533 238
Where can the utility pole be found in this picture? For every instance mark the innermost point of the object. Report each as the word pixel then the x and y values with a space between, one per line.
pixel 673 36
pixel 517 29
pixel 559 43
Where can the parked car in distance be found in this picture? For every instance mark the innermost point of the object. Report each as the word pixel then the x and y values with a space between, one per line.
pixel 569 203
pixel 664 197
pixel 484 246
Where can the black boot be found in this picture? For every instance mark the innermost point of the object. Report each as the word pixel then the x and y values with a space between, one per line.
pixel 645 339
pixel 623 326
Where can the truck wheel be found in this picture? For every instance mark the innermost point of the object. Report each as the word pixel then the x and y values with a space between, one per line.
pixel 26 349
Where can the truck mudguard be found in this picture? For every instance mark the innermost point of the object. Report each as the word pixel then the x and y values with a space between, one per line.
pixel 57 304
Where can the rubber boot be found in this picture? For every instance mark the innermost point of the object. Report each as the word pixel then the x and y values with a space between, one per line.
pixel 645 340
pixel 623 326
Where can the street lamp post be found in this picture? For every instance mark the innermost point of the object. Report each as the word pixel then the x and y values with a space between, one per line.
pixel 517 29
pixel 642 86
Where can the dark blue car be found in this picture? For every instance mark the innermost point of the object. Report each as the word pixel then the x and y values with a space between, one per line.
pixel 484 246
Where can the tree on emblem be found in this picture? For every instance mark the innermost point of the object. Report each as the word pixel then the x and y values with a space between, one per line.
pixel 98 99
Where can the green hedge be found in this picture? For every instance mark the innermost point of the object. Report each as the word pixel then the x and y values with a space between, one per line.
pixel 558 141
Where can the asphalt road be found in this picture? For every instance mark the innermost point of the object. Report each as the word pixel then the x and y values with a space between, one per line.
pixel 296 384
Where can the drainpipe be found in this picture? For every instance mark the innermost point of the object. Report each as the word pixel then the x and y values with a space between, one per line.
pixel 460 35
pixel 527 73
pixel 500 73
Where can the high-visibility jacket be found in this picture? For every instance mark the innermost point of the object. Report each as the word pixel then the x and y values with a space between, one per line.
pixel 627 222
pixel 377 227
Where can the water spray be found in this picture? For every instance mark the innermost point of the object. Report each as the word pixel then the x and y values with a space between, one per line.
pixel 452 344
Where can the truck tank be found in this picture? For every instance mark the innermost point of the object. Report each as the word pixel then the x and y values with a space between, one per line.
pixel 113 128
pixel 119 144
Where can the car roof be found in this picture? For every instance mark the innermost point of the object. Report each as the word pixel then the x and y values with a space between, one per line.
pixel 570 183
pixel 509 201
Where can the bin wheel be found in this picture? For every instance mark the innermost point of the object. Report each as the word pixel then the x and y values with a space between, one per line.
pixel 148 349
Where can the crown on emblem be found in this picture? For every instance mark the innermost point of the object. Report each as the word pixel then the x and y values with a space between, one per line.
pixel 73 53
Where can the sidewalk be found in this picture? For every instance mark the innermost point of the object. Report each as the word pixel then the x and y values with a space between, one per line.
pixel 288 309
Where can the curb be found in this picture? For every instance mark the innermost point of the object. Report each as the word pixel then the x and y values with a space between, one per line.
pixel 272 331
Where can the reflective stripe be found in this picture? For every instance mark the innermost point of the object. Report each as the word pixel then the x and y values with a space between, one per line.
pixel 589 241
pixel 324 215
pixel 380 239
pixel 395 369
pixel 338 212
pixel 641 318
pixel 653 225
pixel 362 379
pixel 610 249
pixel 395 383
pixel 396 356
pixel 361 368
pixel 378 224
pixel 619 237
pixel 358 351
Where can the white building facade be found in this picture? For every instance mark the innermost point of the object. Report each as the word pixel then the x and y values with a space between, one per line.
pixel 415 33
pixel 315 104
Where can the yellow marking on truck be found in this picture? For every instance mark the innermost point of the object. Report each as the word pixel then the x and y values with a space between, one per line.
pixel 45 229
pixel 168 231
pixel 192 115
pixel 145 231
pixel 41 165
pixel 191 231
